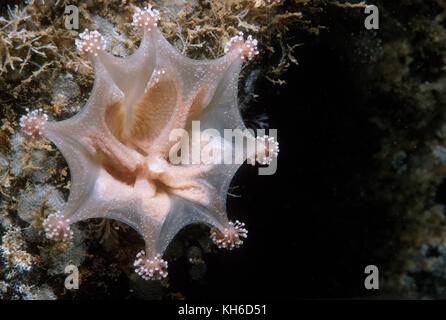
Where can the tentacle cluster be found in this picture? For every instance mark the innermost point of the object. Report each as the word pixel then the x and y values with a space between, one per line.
pixel 146 18
pixel 90 42
pixel 57 227
pixel 247 49
pixel 33 123
pixel 231 237
pixel 267 148
pixel 150 269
